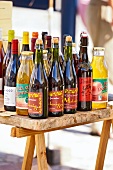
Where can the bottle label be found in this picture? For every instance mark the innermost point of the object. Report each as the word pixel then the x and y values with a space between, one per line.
pixel 22 96
pixel 1 85
pixel 85 89
pixel 70 98
pixel 56 101
pixel 100 90
pixel 9 96
pixel 35 103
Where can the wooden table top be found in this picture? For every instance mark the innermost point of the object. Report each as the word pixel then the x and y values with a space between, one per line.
pixel 56 123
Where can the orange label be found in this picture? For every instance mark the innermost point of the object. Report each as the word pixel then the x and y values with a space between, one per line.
pixel 35 103
pixel 70 98
pixel 56 101
pixel 85 89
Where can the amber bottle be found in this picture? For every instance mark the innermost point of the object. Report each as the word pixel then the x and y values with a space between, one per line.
pixel 70 80
pixel 38 88
pixel 84 78
pixel 56 84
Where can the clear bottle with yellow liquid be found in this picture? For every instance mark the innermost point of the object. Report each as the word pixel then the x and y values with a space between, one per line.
pixel 100 79
pixel 22 83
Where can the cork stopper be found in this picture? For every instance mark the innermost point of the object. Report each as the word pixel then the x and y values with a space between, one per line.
pixel 39 41
pixel 55 40
pixel 69 39
pixel 27 53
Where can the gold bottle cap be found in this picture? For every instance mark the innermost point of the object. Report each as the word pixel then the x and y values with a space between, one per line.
pixel 55 40
pixel 25 39
pixel 27 53
pixel 69 39
pixel 39 41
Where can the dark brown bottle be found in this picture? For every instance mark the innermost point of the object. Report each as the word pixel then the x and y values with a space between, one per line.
pixel 10 79
pixel 70 80
pixel 33 41
pixel 38 88
pixel 43 35
pixel 84 78
pixel 56 84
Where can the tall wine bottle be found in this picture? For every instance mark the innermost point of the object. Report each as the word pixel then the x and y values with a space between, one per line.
pixel 11 35
pixel 84 78
pixel 70 80
pixel 38 88
pixel 56 84
pixel 10 79
pixel 2 55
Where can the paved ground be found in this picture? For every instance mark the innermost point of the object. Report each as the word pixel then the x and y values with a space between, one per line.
pixel 78 148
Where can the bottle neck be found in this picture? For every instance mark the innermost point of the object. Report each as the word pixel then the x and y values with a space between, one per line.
pixel 84 54
pixel 55 52
pixel 33 41
pixel 69 50
pixel 39 54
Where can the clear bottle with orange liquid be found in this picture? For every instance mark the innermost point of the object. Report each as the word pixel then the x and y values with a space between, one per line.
pixel 22 84
pixel 100 79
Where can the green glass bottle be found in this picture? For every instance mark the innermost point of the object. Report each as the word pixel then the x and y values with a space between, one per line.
pixel 38 88
pixel 56 84
pixel 70 80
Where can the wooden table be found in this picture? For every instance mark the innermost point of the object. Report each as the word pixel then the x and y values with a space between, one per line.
pixel 35 129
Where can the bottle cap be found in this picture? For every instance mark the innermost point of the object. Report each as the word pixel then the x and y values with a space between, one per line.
pixel 84 39
pixel 55 40
pixel 73 44
pixel 27 53
pixel 11 35
pixel 39 41
pixel 43 34
pixel 15 46
pixel 47 41
pixel 45 51
pixel 34 34
pixel 25 39
pixel 99 48
pixel 69 39
pixel 98 51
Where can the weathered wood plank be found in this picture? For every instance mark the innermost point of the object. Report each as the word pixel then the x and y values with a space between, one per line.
pixel 56 122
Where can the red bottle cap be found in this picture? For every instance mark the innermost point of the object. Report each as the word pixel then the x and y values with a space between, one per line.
pixel 34 34
pixel 15 46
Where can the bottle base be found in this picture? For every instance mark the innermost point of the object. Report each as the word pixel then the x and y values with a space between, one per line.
pixel 22 112
pixel 10 108
pixel 36 116
pixel 56 114
pixel 72 111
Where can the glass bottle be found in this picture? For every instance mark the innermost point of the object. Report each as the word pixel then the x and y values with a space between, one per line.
pixel 2 55
pixel 33 41
pixel 76 57
pixel 84 79
pixel 56 84
pixel 100 79
pixel 45 62
pixel 70 81
pixel 43 35
pixel 10 79
pixel 47 46
pixel 11 35
pixel 38 88
pixel 22 84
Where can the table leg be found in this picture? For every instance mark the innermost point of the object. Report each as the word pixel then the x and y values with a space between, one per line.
pixel 41 151
pixel 103 145
pixel 29 151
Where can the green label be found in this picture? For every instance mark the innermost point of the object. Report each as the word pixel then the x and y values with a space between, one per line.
pixel 100 90
pixel 22 96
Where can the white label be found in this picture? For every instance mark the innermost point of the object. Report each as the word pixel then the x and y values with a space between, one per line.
pixel 98 53
pixel 1 83
pixel 9 96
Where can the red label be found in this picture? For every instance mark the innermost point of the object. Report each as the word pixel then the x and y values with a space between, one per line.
pixel 56 101
pixel 85 89
pixel 35 103
pixel 70 98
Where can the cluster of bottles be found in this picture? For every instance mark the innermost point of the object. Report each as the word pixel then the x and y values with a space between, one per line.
pixel 44 82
